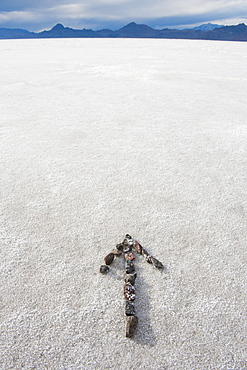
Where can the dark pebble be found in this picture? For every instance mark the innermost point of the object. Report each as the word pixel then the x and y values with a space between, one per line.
pixel 116 252
pixel 131 324
pixel 146 255
pixel 119 247
pixel 129 267
pixel 109 258
pixel 129 308
pixel 156 263
pixel 104 269
pixel 130 278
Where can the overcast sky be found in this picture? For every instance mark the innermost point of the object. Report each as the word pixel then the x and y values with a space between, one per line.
pixel 36 15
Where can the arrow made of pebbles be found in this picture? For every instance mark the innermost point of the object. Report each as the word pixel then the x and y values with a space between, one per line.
pixel 126 248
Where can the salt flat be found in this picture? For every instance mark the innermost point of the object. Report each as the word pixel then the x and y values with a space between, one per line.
pixel 100 138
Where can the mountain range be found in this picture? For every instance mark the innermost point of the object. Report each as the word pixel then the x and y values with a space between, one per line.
pixel 133 30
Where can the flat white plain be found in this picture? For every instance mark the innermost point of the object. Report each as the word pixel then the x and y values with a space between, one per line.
pixel 104 137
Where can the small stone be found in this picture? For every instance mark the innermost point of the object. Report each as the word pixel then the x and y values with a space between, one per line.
pixel 156 263
pixel 128 241
pixel 109 258
pixel 146 255
pixel 129 256
pixel 104 269
pixel 126 249
pixel 125 243
pixel 144 252
pixel 119 247
pixel 129 292
pixel 116 252
pixel 129 267
pixel 137 246
pixel 131 324
pixel 129 308
pixel 130 278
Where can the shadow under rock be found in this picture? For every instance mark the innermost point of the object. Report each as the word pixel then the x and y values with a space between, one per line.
pixel 144 332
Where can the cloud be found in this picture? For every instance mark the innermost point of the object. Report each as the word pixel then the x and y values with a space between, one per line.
pixel 113 14
pixel 23 5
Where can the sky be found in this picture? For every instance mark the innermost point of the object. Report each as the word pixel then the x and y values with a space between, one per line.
pixel 37 15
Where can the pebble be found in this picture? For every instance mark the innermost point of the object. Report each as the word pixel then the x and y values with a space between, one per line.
pixel 156 263
pixel 104 269
pixel 129 308
pixel 109 258
pixel 119 247
pixel 130 278
pixel 137 246
pixel 131 324
pixel 129 267
pixel 129 256
pixel 129 292
pixel 146 255
pixel 126 249
pixel 116 252
pixel 128 241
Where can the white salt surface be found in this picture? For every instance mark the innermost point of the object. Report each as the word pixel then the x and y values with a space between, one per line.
pixel 100 138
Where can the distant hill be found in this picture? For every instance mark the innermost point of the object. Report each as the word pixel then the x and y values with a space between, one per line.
pixel 207 27
pixel 14 33
pixel 133 30
pixel 228 33
pixel 136 30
